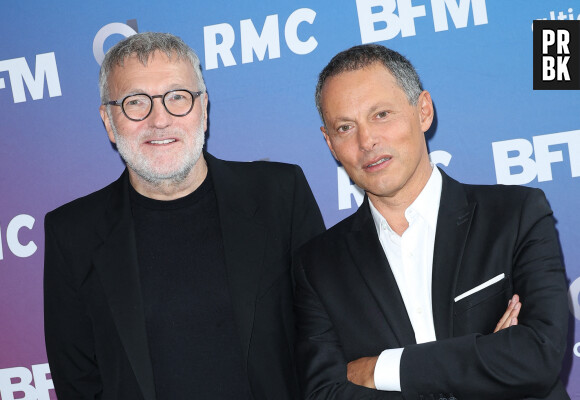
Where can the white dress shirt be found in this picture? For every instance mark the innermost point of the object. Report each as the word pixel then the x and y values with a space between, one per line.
pixel 410 257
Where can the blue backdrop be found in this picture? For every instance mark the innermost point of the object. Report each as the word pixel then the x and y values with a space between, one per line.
pixel 260 63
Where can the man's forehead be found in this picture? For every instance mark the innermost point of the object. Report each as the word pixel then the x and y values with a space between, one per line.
pixel 155 73
pixel 146 58
pixel 372 74
pixel 368 68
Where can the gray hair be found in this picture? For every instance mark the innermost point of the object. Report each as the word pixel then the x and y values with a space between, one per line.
pixel 359 57
pixel 143 45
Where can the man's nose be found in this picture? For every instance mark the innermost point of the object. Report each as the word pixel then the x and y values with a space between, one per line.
pixel 159 117
pixel 366 138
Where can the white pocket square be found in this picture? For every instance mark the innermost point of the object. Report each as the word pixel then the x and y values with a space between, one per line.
pixel 480 287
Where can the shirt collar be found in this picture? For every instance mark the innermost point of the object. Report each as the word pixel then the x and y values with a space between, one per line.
pixel 426 204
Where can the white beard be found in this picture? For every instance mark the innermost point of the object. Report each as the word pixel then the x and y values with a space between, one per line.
pixel 145 168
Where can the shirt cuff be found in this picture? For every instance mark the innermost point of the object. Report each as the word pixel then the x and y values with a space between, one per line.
pixel 387 370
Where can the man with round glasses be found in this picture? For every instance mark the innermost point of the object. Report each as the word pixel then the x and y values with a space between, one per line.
pixel 174 281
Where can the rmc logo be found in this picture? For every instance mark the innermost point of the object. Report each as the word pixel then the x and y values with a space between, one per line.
pixel 20 75
pixel 219 39
pixel 12 240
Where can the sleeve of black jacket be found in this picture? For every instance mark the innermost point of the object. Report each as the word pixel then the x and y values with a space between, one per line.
pixel 68 328
pixel 522 361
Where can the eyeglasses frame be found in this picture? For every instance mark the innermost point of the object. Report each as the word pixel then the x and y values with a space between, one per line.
pixel 119 103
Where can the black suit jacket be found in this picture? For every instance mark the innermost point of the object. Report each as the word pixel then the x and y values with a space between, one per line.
pixel 94 321
pixel 348 304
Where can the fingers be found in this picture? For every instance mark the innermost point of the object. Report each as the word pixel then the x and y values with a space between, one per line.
pixel 505 316
pixel 510 317
pixel 517 306
pixel 513 318
pixel 361 372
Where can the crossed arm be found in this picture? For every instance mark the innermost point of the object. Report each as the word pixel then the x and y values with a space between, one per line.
pixel 362 371
pixel 337 325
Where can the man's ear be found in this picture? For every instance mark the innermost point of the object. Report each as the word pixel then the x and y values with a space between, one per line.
pixel 426 111
pixel 328 142
pixel 107 122
pixel 204 105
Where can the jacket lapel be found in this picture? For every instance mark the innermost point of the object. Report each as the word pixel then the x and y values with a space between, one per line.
pixel 367 252
pixel 116 264
pixel 453 223
pixel 244 243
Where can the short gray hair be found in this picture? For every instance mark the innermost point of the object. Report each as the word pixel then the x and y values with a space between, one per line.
pixel 359 57
pixel 143 45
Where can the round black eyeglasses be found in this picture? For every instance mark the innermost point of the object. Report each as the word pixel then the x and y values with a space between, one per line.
pixel 137 107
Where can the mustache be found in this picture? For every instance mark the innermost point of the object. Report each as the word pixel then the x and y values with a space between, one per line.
pixel 161 134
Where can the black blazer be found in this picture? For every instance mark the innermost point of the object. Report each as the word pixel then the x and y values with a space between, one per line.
pixel 94 321
pixel 348 304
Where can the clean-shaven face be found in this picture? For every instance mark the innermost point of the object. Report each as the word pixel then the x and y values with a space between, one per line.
pixel 375 133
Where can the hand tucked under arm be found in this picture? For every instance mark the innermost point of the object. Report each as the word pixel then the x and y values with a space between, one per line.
pixel 362 371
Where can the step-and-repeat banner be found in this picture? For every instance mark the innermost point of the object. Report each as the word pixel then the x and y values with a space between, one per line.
pixel 260 61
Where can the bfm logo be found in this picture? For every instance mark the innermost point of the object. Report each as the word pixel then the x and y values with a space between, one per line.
pixel 556 55
pixel 346 188
pixel 17 382
pixel 14 244
pixel 378 21
pixel 514 164
pixel 20 75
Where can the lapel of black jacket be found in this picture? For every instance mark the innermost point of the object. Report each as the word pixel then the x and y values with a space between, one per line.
pixel 453 223
pixel 244 241
pixel 370 259
pixel 116 265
